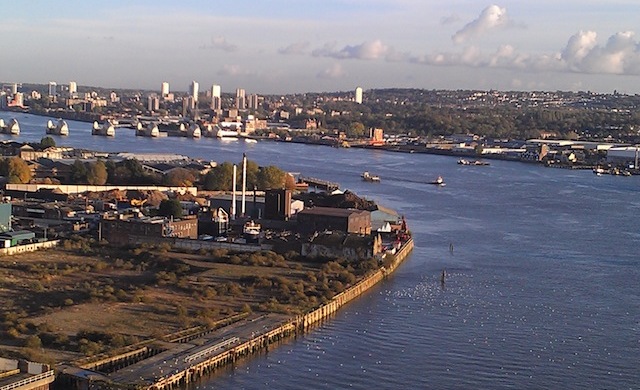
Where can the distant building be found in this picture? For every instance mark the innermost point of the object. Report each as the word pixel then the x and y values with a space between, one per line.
pixel 164 90
pixel 376 136
pixel 216 99
pixel 358 97
pixel 253 101
pixel 193 92
pixel 153 103
pixel 241 102
pixel 52 91
pixel 215 91
pixel 73 88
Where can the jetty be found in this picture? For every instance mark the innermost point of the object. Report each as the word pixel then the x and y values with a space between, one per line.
pixel 175 362
pixel 319 183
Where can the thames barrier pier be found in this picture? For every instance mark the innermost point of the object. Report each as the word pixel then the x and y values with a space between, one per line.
pixel 171 364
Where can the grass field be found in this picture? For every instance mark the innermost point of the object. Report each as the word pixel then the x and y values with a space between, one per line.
pixel 85 298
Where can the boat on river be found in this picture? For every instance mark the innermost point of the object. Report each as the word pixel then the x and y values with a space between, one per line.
pixel 227 135
pixel 366 176
pixel 439 181
pixel 463 161
pixel 59 128
pixel 251 231
pixel 13 127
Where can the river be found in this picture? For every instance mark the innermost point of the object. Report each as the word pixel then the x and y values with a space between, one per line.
pixel 541 288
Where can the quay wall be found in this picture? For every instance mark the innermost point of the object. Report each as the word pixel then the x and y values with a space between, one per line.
pixel 296 325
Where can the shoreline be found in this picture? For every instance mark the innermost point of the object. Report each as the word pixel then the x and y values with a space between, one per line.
pixel 220 353
pixel 298 325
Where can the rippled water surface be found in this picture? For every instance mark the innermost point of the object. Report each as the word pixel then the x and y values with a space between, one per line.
pixel 542 287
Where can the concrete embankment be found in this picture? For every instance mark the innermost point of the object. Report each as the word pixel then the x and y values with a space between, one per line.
pixel 297 325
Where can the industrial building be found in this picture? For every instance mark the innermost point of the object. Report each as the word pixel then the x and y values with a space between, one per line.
pixel 127 230
pixel 328 218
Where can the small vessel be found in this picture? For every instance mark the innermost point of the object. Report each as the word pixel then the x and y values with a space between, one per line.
pixel 227 134
pixel 107 129
pixel 251 231
pixel 366 176
pixel 462 161
pixel 439 181
pixel 599 171
pixel 250 141
pixel 13 127
pixel 59 128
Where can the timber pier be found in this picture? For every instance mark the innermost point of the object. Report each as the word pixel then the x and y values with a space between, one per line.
pixel 319 183
pixel 172 364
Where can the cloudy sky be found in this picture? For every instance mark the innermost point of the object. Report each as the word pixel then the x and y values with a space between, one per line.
pixel 287 46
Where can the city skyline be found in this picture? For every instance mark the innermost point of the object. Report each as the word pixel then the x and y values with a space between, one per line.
pixel 289 47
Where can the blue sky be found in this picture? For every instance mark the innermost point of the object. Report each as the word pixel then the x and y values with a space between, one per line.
pixel 287 46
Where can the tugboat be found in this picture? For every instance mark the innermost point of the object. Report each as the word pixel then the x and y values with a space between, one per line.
pixel 366 176
pixel 439 181
pixel 60 128
pixel 251 231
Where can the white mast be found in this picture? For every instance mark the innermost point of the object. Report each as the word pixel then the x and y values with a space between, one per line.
pixel 244 182
pixel 233 197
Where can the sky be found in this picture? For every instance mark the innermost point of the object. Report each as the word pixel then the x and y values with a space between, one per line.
pixel 296 46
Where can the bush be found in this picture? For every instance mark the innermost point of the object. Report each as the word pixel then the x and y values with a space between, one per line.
pixel 33 342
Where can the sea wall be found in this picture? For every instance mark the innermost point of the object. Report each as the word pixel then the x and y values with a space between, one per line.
pixel 297 325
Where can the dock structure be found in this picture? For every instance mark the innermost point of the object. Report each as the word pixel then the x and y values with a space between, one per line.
pixel 182 360
pixel 319 183
pixel 24 375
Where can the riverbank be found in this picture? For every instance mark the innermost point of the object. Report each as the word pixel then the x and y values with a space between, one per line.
pixel 297 325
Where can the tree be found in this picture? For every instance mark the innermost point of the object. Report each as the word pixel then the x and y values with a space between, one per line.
pixel 170 208
pixel 47 142
pixel 97 174
pixel 79 172
pixel 16 170
pixel 356 130
pixel 271 177
pixel 179 177
pixel 219 178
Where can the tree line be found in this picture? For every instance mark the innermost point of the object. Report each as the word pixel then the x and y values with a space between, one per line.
pixel 133 172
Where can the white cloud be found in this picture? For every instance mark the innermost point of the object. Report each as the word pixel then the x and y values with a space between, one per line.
pixel 620 55
pixel 335 71
pixel 221 43
pixel 295 48
pixel 371 50
pixel 233 70
pixel 491 18
pixel 451 19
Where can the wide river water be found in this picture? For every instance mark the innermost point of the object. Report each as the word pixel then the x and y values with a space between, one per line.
pixel 542 287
